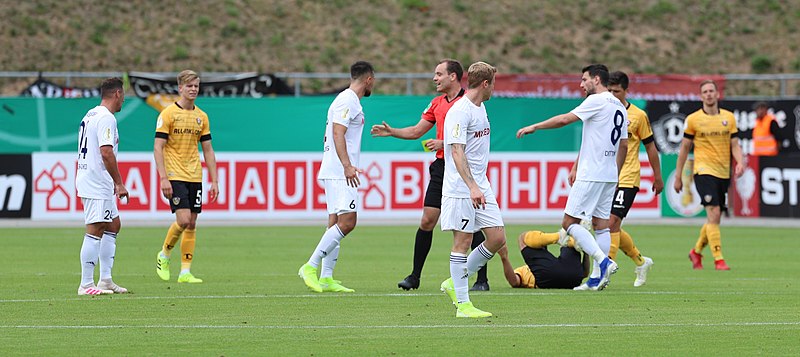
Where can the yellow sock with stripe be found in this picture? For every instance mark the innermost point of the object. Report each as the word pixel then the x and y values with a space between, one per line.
pixel 612 250
pixel 627 246
pixel 539 239
pixel 173 234
pixel 714 240
pixel 702 241
pixel 187 248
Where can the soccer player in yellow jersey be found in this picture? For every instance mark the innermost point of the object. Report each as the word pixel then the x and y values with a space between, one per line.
pixel 542 270
pixel 713 132
pixel 179 128
pixel 629 178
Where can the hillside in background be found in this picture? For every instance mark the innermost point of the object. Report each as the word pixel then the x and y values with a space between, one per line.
pixel 543 36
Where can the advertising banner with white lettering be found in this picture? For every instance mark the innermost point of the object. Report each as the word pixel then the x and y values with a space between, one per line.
pixel 253 85
pixel 780 186
pixel 283 186
pixel 642 86
pixel 15 186
pixel 666 119
pixel 43 88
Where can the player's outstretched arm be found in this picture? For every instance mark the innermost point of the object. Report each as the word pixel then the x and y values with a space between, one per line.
pixel 557 121
pixel 409 133
pixel 508 270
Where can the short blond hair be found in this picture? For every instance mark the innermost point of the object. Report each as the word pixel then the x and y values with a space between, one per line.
pixel 187 76
pixel 479 72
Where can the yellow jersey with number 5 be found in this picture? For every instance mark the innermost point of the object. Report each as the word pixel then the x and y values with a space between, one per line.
pixel 183 129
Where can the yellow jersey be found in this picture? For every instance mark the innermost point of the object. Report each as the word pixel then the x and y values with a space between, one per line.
pixel 712 141
pixel 527 279
pixel 183 129
pixel 638 131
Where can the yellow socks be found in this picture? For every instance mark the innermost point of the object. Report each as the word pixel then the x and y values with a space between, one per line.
pixel 703 240
pixel 539 239
pixel 187 248
pixel 173 234
pixel 627 246
pixel 714 240
pixel 612 251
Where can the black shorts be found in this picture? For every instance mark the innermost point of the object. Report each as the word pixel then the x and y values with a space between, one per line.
pixel 564 272
pixel 623 200
pixel 713 190
pixel 433 196
pixel 186 195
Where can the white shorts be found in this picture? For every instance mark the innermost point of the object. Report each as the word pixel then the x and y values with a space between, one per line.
pixel 97 210
pixel 340 197
pixel 589 199
pixel 459 215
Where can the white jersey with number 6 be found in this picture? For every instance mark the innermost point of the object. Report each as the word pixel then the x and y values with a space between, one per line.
pixel 98 128
pixel 466 123
pixel 605 123
pixel 345 110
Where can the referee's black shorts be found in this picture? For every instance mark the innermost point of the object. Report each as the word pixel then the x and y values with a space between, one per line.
pixel 713 190
pixel 433 196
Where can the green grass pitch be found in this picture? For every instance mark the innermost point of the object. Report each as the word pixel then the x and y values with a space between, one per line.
pixel 253 303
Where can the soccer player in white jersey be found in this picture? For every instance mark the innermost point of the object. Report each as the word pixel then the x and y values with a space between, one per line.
pixel 604 145
pixel 98 182
pixel 339 176
pixel 468 203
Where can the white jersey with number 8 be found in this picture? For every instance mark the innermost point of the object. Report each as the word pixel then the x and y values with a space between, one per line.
pixel 605 123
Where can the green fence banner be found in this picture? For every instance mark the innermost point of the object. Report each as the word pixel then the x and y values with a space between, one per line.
pixel 286 124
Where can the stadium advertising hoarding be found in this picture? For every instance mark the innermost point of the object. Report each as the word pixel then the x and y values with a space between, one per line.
pixel 15 187
pixel 747 193
pixel 283 186
pixel 780 186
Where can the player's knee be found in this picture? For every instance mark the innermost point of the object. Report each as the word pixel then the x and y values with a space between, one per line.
pixel 427 223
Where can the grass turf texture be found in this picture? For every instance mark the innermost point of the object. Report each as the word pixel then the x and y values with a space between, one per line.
pixel 252 301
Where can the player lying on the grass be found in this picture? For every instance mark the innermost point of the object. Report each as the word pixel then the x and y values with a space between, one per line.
pixel 543 270
pixel 626 245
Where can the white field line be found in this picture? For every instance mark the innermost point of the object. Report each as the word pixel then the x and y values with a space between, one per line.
pixel 403 295
pixel 480 326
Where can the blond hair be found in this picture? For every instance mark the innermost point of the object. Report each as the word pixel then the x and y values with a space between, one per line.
pixel 479 72
pixel 186 76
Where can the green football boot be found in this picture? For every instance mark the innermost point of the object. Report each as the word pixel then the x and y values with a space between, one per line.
pixel 447 288
pixel 189 278
pixel 309 275
pixel 466 309
pixel 335 286
pixel 162 266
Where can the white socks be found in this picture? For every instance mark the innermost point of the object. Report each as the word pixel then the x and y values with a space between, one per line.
pixel 460 275
pixel 89 255
pixel 329 262
pixel 587 242
pixel 462 267
pixel 329 241
pixel 108 248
